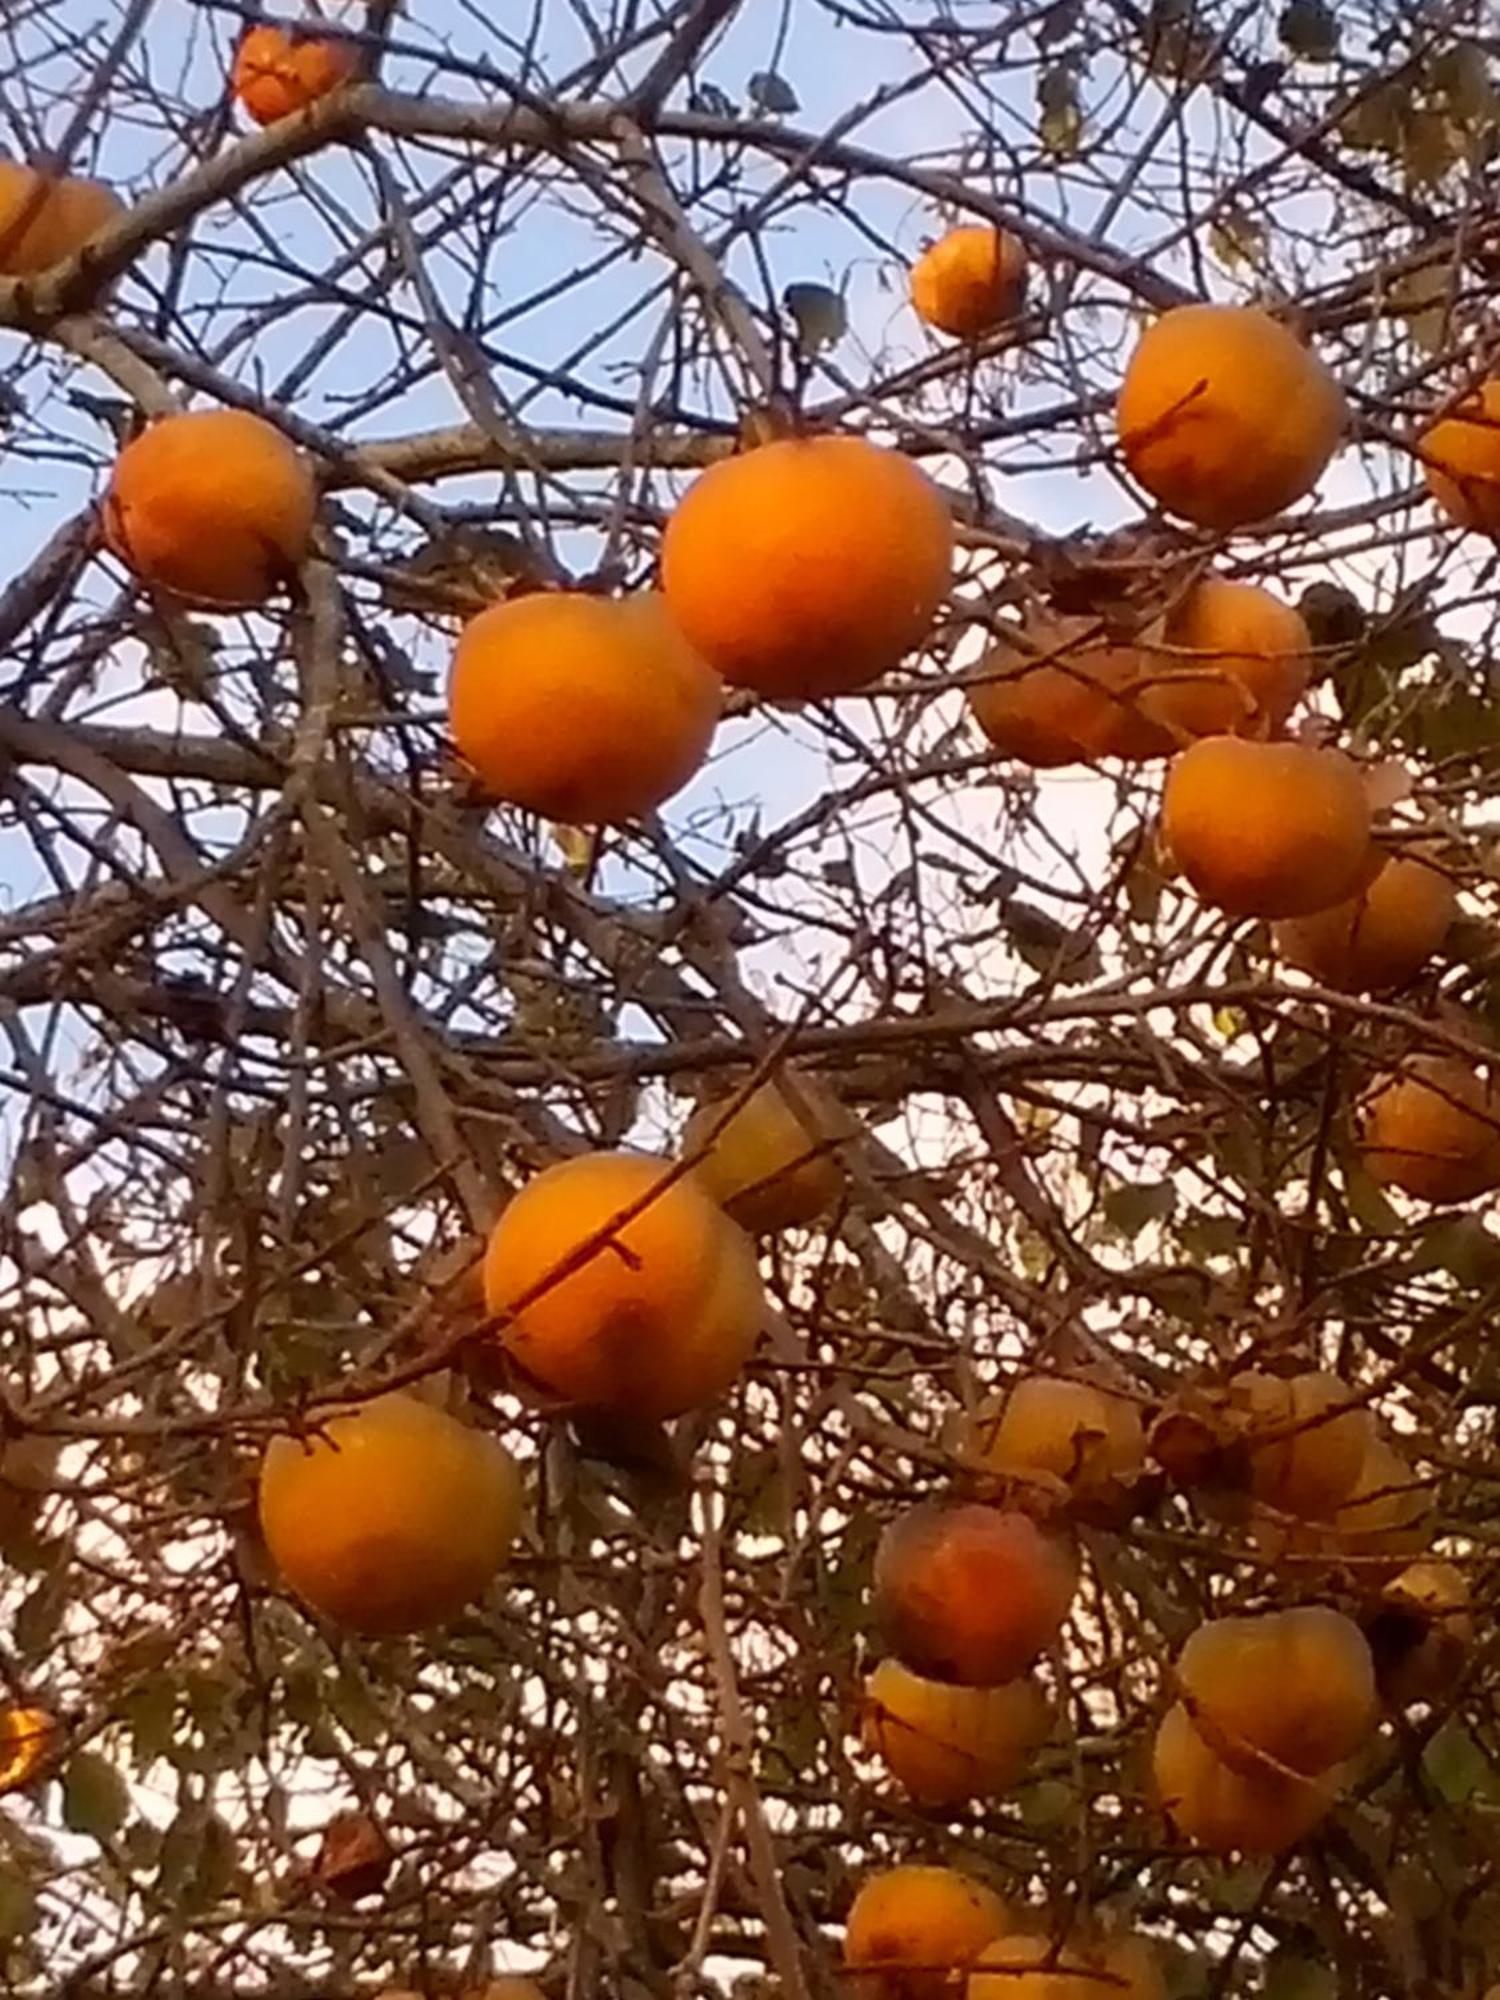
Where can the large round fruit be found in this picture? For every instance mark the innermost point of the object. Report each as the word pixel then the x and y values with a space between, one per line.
pixel 657 1316
pixel 1267 829
pixel 1060 692
pixel 808 567
pixel 771 1165
pixel 390 1517
pixel 1229 1811
pixel 1306 1441
pixel 588 710
pixel 213 505
pixel 1234 661
pixel 1224 416
pixel 277 71
pixel 1460 456
pixel 913 1932
pixel 1434 1130
pixel 971 1594
pixel 970 281
pixel 1087 1436
pixel 44 218
pixel 1380 938
pixel 947 1744
pixel 1296 1687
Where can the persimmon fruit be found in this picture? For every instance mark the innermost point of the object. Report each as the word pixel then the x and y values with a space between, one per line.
pixel 1379 938
pixel 47 217
pixel 1433 1130
pixel 1296 1687
pixel 1422 1633
pixel 771 1164
pixel 970 281
pixel 1081 1433
pixel 278 71
pixel 1028 1966
pixel 1233 660
pixel 1306 1441
pixel 1460 456
pixel 1228 1811
pixel 913 1932
pixel 809 566
pixel 945 1745
pixel 588 710
pixel 1058 690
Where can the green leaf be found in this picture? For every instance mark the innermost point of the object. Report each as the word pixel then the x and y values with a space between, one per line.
pixel 1128 1208
pixel 819 314
pixel 1456 1767
pixel 1310 29
pixel 770 92
pixel 1061 125
pixel 96 1799
pixel 42 1609
pixel 148 1711
pixel 1289 1976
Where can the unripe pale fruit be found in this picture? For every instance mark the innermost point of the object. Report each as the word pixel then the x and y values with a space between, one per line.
pixel 1306 1442
pixel 1228 1811
pixel 44 219
pixel 391 1517
pixel 772 1165
pixel 948 1744
pixel 913 1932
pixel 971 1594
pixel 1380 938
pixel 1295 1687
pixel 1267 829
pixel 277 71
pixel 971 281
pixel 1234 661
pixel 1434 1130
pixel 214 505
pixel 1225 417
pixel 657 1317
pixel 808 567
pixel 1068 1429
pixel 1460 456
pixel 588 710
pixel 1056 690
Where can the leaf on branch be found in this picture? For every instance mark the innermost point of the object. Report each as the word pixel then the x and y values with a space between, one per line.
pixel 819 315
pixel 770 92
pixel 1061 125
pixel 1129 1207
pixel 96 1800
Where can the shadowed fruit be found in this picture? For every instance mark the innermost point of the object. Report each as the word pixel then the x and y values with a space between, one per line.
pixel 913 1932
pixel 969 1593
pixel 1297 1687
pixel 1229 1811
pixel 1434 1131
pixel 970 281
pixel 588 710
pixel 1423 1633
pixel 808 567
pixel 354 1857
pixel 29 1739
pixel 1234 661
pixel 1306 1442
pixel 770 1166
pixel 1378 939
pixel 1060 691
pixel 1032 1967
pixel 1075 1431
pixel 392 1517
pixel 213 505
pixel 1267 829
pixel 44 218
pixel 1370 1535
pixel 1460 456
pixel 277 71
pixel 947 1744
pixel 1224 416
pixel 657 1317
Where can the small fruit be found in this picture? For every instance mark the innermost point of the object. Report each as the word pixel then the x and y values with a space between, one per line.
pixel 946 1744
pixel 971 281
pixel 772 1164
pixel 278 71
pixel 1233 661
pixel 913 1932
pixel 392 1516
pixel 658 1316
pixel 1434 1131
pixel 971 1594
pixel 44 218
pixel 1295 1687
pixel 588 710
pixel 1423 1633
pixel 1229 1811
pixel 808 567
pixel 1059 691
pixel 1267 829
pixel 1306 1441
pixel 1460 456
pixel 1380 938
pixel 1225 417
pixel 1079 1432
pixel 29 1739
pixel 213 505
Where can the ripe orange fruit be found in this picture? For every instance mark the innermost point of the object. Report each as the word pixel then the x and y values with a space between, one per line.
pixel 1380 938
pixel 588 710
pixel 1234 661
pixel 970 1593
pixel 29 1739
pixel 971 280
pixel 913 1932
pixel 659 1317
pixel 1224 416
pixel 808 567
pixel 1434 1130
pixel 1228 1811
pixel 277 71
pixel 1370 1535
pixel 1423 1633
pixel 1080 1432
pixel 1027 1966
pixel 1460 456
pixel 1306 1442
pixel 392 1517
pixel 1267 829
pixel 44 218
pixel 945 1744
pixel 770 1166
pixel 1297 1687
pixel 1060 692
pixel 213 505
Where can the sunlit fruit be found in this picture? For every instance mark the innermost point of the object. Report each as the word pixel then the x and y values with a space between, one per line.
pixel 773 1162
pixel 1080 1432
pixel 1233 660
pixel 1380 938
pixel 1422 1633
pixel 45 218
pixel 969 1593
pixel 1433 1130
pixel 29 1739
pixel 1306 1440
pixel 948 1744
pixel 808 567
pixel 913 1932
pixel 391 1516
pixel 1056 690
pixel 213 505
pixel 972 280
pixel 587 710
pixel 1296 1687
pixel 1460 457
pixel 1029 1966
pixel 278 71
pixel 1224 416
pixel 1228 1811
pixel 647 1316
pixel 1267 829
